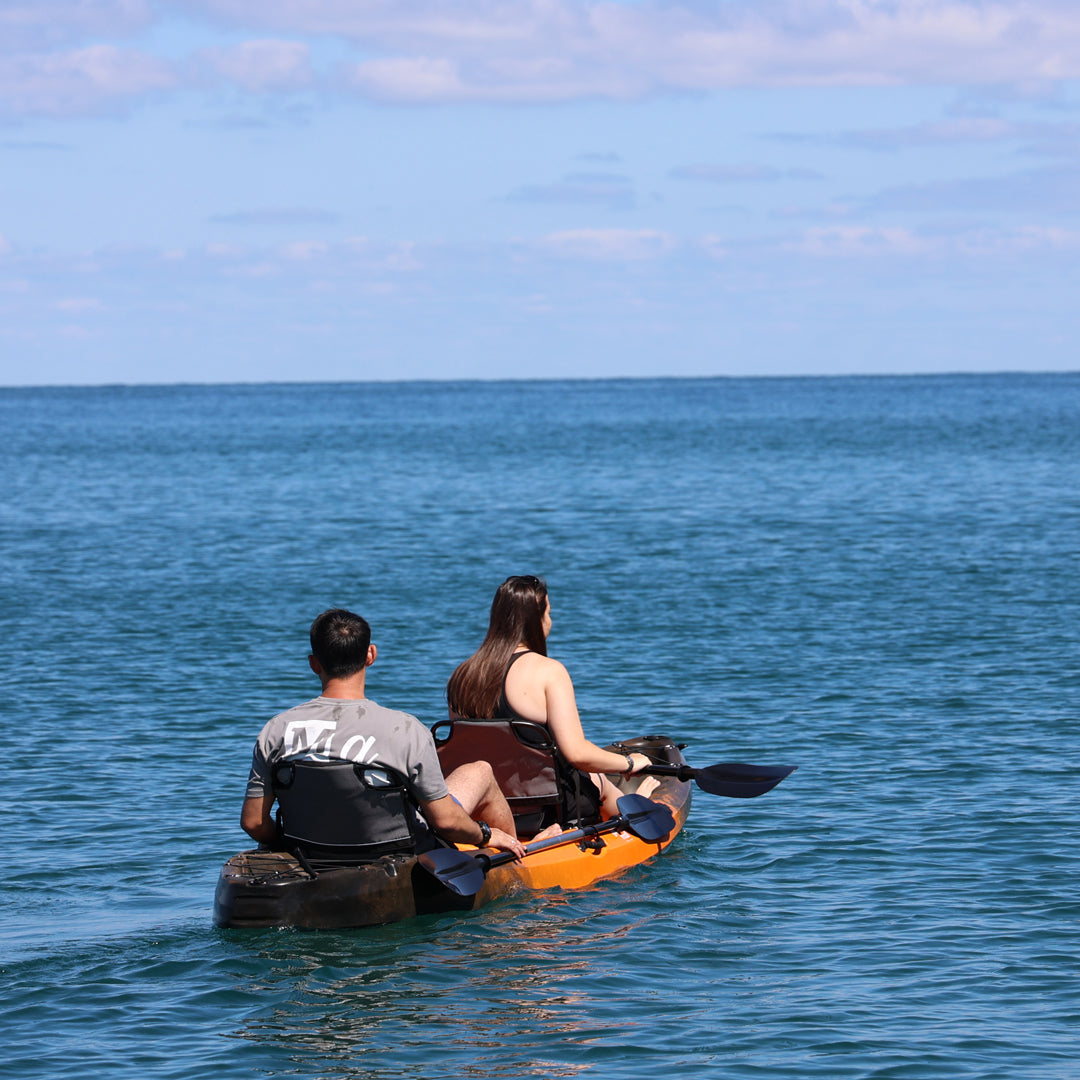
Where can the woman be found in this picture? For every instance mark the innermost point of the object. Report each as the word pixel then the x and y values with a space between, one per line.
pixel 511 677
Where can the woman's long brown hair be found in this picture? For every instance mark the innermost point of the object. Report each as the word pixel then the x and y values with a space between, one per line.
pixel 517 617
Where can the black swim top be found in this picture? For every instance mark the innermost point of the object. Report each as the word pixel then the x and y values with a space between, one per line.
pixel 502 708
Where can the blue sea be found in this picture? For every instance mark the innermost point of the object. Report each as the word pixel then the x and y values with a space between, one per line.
pixel 875 579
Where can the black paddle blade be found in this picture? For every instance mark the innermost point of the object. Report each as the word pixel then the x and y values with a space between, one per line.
pixel 458 871
pixel 741 781
pixel 648 820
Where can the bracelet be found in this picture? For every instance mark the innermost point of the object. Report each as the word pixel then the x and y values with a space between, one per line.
pixel 629 764
pixel 485 834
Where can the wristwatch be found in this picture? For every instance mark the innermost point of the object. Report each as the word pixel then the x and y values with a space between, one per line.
pixel 485 834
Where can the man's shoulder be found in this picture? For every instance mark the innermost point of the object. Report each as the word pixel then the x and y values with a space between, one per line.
pixel 301 707
pixel 348 711
pixel 399 715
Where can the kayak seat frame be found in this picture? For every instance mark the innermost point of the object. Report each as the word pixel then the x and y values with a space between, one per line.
pixel 539 785
pixel 333 814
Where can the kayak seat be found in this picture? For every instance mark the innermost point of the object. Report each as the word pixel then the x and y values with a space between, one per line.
pixel 539 785
pixel 343 813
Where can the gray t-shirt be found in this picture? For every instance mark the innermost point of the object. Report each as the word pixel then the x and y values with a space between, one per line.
pixel 334 729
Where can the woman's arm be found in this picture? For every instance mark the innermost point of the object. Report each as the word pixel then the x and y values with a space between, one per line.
pixel 564 722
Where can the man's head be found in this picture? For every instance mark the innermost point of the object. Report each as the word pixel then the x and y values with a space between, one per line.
pixel 340 641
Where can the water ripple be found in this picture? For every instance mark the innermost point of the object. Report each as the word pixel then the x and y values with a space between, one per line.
pixel 876 580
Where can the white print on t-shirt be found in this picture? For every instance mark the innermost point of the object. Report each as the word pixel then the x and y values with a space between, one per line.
pixel 364 754
pixel 314 739
pixel 309 738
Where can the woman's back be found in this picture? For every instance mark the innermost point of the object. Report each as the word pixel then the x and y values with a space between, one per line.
pixel 524 689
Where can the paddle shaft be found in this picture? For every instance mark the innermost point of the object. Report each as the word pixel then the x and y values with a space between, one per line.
pixel 572 837
pixel 680 772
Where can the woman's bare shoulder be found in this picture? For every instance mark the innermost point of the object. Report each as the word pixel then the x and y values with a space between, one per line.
pixel 536 665
pixel 544 667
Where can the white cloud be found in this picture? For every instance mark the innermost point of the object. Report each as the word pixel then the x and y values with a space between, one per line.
pixel 43 24
pixel 1027 239
pixel 413 79
pixel 882 242
pixel 261 65
pixel 403 257
pixel 478 24
pixel 860 240
pixel 361 264
pixel 80 81
pixel 621 245
pixel 305 250
pixel 79 304
pixel 550 50
pixel 526 51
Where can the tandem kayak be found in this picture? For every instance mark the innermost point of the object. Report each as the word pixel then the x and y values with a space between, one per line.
pixel 271 888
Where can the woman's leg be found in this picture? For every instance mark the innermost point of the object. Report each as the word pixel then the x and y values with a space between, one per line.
pixel 609 793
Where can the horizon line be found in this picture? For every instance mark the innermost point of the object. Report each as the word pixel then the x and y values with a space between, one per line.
pixel 481 380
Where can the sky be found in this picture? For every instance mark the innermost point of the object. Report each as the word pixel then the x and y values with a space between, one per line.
pixel 322 190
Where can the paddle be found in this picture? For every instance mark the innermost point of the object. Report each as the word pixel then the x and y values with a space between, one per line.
pixel 464 873
pixel 735 781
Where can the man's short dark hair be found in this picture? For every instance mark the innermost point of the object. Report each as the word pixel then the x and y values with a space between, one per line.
pixel 340 641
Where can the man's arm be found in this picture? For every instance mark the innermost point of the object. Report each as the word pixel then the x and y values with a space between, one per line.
pixel 453 824
pixel 256 818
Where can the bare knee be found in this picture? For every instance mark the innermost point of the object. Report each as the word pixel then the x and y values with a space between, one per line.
pixel 474 773
pixel 471 784
pixel 609 795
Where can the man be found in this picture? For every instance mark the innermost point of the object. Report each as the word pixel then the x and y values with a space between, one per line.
pixel 343 724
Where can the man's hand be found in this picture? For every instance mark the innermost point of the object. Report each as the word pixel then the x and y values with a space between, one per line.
pixel 505 842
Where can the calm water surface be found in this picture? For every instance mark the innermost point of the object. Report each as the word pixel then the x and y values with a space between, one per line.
pixel 876 579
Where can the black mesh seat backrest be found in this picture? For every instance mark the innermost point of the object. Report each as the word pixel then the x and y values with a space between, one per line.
pixel 340 813
pixel 539 786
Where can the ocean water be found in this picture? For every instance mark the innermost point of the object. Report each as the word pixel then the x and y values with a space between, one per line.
pixel 876 579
